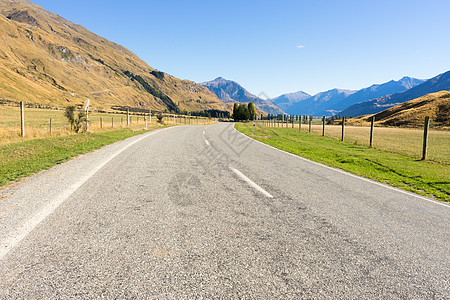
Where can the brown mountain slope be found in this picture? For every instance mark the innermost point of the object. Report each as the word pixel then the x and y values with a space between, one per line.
pixel 412 113
pixel 48 60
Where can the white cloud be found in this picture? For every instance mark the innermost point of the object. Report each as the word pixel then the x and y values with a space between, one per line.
pixel 300 47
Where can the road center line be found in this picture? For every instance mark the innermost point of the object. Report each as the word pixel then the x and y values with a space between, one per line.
pixel 206 142
pixel 16 236
pixel 251 183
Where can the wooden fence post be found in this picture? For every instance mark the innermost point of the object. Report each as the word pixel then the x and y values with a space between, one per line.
pixel 323 126
pixel 310 123
pixel 128 117
pixel 300 123
pixel 50 126
pixel 22 119
pixel 112 122
pixel 101 123
pixel 343 129
pixel 425 138
pixel 372 121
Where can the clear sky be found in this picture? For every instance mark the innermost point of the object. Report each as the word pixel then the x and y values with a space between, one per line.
pixel 276 47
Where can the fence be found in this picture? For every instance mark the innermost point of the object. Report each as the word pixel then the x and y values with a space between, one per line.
pixel 39 123
pixel 420 143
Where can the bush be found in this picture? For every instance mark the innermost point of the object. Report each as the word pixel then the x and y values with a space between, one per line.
pixel 160 118
pixel 76 122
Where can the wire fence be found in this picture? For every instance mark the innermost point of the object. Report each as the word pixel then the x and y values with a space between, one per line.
pixel 404 141
pixel 41 123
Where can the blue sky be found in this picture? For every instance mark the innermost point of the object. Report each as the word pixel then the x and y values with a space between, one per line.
pixel 276 47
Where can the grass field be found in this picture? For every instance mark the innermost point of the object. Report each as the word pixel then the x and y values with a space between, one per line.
pixel 37 123
pixel 27 157
pixel 427 178
pixel 396 140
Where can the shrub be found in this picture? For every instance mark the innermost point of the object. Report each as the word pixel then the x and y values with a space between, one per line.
pixel 76 122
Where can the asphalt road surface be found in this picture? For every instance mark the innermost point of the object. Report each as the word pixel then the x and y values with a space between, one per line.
pixel 195 212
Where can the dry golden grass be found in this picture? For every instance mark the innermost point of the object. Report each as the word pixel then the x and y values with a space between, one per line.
pixel 412 113
pixel 37 123
pixel 396 140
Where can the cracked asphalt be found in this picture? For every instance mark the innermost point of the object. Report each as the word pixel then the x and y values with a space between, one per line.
pixel 165 217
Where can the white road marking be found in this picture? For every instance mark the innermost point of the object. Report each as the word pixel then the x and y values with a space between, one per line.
pixel 251 183
pixel 207 143
pixel 352 175
pixel 8 243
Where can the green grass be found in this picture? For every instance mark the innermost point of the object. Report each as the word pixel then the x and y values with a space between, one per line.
pixel 25 158
pixel 427 178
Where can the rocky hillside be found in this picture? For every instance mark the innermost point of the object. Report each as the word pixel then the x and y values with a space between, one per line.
pixel 231 92
pixel 48 60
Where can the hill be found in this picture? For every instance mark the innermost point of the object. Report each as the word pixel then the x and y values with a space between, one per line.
pixel 231 92
pixel 435 84
pixel 48 60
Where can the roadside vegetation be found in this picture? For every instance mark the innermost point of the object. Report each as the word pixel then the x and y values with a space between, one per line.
pixel 426 178
pixel 25 158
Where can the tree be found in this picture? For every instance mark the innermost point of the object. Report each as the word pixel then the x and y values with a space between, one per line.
pixel 235 111
pixel 242 112
pixel 251 110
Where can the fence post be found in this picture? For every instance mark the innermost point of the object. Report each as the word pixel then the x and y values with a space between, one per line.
pixel 50 126
pixel 128 117
pixel 343 128
pixel 425 138
pixel 292 121
pixel 145 120
pixel 112 122
pixel 310 123
pixel 323 126
pixel 101 123
pixel 300 123
pixel 372 121
pixel 22 119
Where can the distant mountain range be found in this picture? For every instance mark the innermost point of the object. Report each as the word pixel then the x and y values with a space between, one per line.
pixel 231 92
pixel 286 100
pixel 335 100
pixel 320 103
pixel 47 60
pixel 435 84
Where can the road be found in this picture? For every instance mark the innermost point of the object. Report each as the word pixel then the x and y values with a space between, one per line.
pixel 195 212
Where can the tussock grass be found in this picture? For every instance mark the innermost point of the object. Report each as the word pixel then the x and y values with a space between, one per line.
pixel 426 178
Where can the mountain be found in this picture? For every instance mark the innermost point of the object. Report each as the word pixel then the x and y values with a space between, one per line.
pixel 230 92
pixel 435 84
pixel 48 60
pixel 333 101
pixel 376 91
pixel 286 100
pixel 317 104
